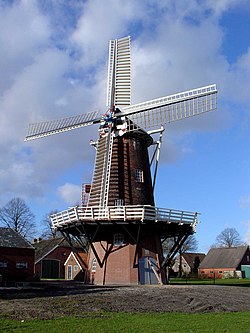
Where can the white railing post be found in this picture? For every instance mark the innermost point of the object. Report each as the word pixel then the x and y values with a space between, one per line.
pixel 143 213
pixel 76 212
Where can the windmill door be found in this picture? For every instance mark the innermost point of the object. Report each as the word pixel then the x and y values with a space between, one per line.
pixel 148 271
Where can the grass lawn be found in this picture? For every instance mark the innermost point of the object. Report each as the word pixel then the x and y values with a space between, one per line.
pixel 226 282
pixel 237 322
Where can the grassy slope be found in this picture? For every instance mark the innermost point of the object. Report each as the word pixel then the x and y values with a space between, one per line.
pixel 133 323
pixel 228 282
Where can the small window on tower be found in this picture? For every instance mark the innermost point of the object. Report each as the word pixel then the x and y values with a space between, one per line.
pixel 94 263
pixel 119 202
pixel 118 240
pixel 139 176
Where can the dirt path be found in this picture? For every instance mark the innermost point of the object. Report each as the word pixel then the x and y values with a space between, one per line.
pixel 53 301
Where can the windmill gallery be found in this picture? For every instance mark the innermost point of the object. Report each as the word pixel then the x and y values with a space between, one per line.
pixel 123 227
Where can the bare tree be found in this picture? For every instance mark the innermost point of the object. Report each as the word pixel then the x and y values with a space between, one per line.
pixel 18 216
pixel 189 245
pixel 229 237
pixel 48 231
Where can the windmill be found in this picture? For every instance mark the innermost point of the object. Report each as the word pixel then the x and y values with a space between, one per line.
pixel 123 226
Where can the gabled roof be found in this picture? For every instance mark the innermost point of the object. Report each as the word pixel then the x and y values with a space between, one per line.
pixel 224 257
pixel 80 257
pixel 46 246
pixel 192 257
pixel 10 238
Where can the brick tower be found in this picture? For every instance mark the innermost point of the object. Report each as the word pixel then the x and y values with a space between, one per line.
pixel 117 250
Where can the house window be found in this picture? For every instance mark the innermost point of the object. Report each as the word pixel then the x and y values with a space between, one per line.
pixel 211 272
pixel 118 239
pixel 3 264
pixel 93 267
pixel 75 268
pixel 248 259
pixel 21 265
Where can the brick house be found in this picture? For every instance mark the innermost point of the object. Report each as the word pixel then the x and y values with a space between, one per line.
pixel 76 266
pixel 51 256
pixel 189 263
pixel 226 262
pixel 17 256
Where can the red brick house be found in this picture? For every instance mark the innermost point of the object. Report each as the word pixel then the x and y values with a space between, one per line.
pixel 51 256
pixel 76 266
pixel 17 256
pixel 225 262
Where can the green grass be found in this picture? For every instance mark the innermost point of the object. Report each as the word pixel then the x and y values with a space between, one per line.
pixel 228 282
pixel 136 323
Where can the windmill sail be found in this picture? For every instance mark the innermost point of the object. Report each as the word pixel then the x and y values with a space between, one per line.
pixel 119 73
pixel 171 108
pixel 42 129
pixel 150 114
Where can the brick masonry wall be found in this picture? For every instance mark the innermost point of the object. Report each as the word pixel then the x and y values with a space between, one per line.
pixel 13 256
pixel 120 264
pixel 130 153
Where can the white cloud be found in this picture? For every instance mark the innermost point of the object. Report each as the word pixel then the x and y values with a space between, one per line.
pixel 244 202
pixel 70 193
pixel 24 33
pixel 44 78
pixel 247 234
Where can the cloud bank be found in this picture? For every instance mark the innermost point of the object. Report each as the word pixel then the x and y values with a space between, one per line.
pixel 53 64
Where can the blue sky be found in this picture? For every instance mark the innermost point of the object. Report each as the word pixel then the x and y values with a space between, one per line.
pixel 53 64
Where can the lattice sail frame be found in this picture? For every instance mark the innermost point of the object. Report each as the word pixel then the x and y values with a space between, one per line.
pixel 42 129
pixel 147 115
pixel 119 73
pixel 171 108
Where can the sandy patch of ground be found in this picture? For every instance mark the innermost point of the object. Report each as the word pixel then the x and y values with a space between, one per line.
pixel 53 300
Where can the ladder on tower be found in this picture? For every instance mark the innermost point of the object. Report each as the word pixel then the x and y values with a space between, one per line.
pixel 100 182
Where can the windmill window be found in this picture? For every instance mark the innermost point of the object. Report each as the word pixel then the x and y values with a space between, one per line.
pixel 93 267
pixel 118 239
pixel 139 176
pixel 119 202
